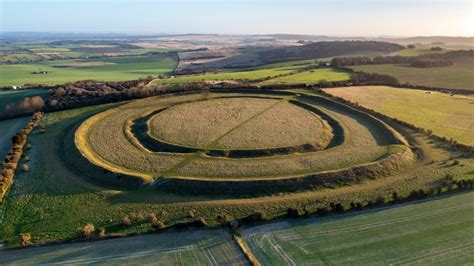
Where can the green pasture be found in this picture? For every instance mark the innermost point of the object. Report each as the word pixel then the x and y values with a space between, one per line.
pixel 311 77
pixel 458 76
pixel 437 231
pixel 120 68
pixel 235 75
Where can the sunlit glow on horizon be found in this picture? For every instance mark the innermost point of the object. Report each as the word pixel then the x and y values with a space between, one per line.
pixel 317 17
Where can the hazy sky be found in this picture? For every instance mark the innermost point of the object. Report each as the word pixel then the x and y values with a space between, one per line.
pixel 325 17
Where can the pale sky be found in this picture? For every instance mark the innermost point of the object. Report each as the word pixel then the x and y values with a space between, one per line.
pixel 318 17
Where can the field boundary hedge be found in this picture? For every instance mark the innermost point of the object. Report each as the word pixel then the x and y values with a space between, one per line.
pixel 14 155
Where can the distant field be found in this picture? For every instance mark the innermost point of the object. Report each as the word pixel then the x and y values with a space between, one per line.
pixel 235 75
pixel 458 76
pixel 112 69
pixel 417 51
pixel 17 96
pixel 437 231
pixel 313 76
pixel 449 116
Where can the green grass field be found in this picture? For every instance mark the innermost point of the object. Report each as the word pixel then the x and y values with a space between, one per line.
pixel 118 68
pixel 311 77
pixel 449 116
pixel 7 97
pixel 437 231
pixel 458 76
pixel 254 74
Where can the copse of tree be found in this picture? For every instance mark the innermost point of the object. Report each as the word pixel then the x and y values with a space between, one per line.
pixel 362 78
pixel 324 49
pixel 424 60
pixel 28 105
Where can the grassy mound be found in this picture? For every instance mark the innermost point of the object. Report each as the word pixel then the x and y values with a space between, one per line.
pixel 239 123
pixel 221 139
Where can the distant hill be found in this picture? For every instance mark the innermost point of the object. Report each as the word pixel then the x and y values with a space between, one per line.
pixel 324 49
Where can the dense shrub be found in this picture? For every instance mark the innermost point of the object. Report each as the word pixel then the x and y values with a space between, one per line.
pixel 157 225
pixel 126 222
pixel 86 232
pixel 152 217
pixel 25 239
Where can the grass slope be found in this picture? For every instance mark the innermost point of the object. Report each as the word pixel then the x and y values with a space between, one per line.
pixel 458 76
pixel 235 75
pixel 437 231
pixel 121 68
pixel 449 116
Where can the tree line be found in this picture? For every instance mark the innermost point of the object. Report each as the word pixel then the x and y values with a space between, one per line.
pixel 424 61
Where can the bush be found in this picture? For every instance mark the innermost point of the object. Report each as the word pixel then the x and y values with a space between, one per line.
pixel 101 232
pixel 152 217
pixel 126 222
pixel 25 239
pixel 158 225
pixel 25 167
pixel 86 231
